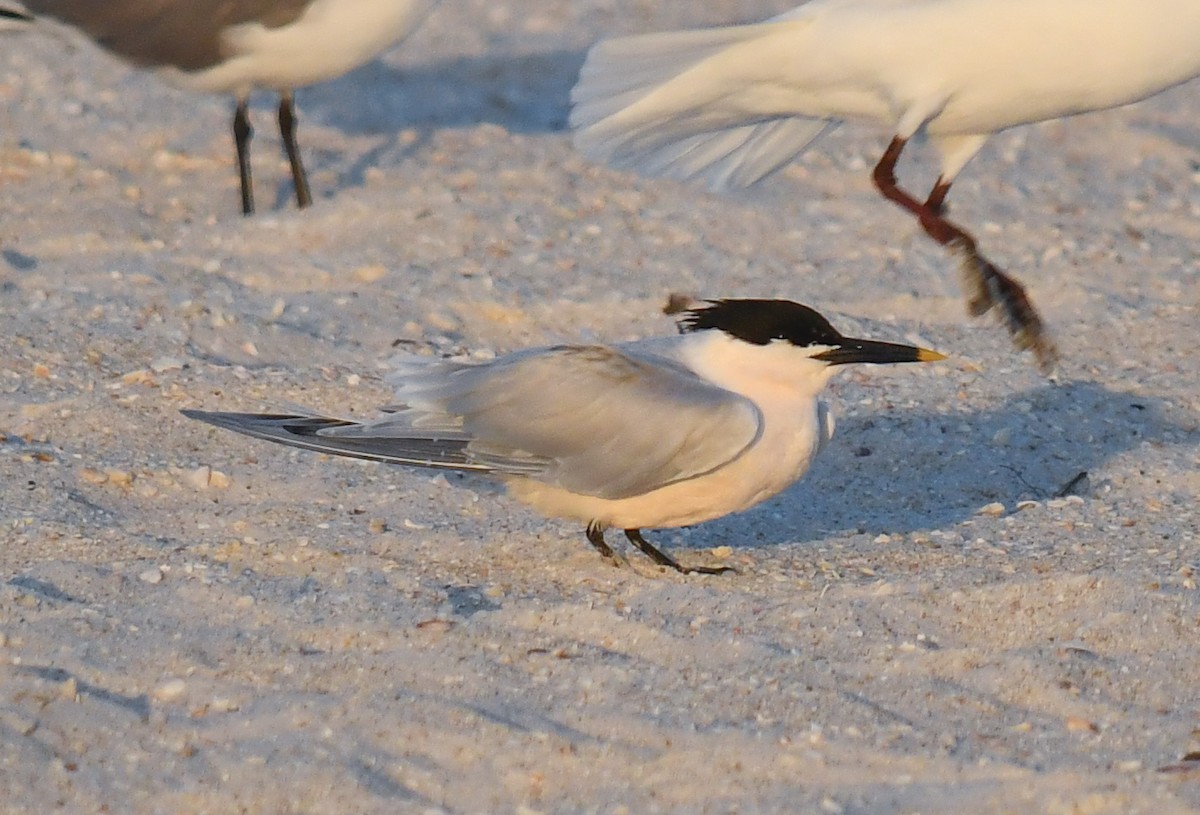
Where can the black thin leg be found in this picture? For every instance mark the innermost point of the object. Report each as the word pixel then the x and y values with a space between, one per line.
pixel 287 129
pixel 242 131
pixel 987 286
pixel 635 537
pixel 595 536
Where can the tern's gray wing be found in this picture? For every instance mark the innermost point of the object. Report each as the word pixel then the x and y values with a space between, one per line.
pixel 591 419
pixel 182 33
pixel 321 434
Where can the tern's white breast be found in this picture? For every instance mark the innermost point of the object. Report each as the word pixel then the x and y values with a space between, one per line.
pixel 781 381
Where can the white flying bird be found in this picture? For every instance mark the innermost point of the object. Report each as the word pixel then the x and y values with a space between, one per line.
pixel 734 104
pixel 656 433
pixel 234 46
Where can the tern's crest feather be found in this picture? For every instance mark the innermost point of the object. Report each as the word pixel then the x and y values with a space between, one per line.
pixel 760 321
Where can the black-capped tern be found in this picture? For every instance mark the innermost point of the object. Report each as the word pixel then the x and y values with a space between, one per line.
pixel 662 432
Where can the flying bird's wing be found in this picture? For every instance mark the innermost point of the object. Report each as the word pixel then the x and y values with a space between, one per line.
pixel 677 104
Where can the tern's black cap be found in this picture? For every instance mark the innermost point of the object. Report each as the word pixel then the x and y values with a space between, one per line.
pixel 760 321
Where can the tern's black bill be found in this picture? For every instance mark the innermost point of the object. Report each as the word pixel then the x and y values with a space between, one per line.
pixel 872 351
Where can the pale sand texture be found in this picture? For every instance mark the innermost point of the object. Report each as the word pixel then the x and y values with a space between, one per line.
pixel 290 633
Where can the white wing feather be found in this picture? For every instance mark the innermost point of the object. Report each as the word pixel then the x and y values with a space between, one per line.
pixel 668 104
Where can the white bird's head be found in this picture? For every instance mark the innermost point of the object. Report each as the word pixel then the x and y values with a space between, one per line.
pixel 783 341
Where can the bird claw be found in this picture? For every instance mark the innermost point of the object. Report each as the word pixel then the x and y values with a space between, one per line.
pixel 989 288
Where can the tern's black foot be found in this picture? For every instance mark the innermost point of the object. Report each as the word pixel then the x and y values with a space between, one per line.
pixel 595 536
pixel 635 537
pixel 989 289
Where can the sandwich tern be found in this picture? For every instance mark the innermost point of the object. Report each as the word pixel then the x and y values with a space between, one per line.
pixel 234 46
pixel 662 432
pixel 734 104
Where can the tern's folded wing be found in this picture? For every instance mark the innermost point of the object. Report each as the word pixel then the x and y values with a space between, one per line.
pixel 591 419
pixel 342 437
pixel 606 422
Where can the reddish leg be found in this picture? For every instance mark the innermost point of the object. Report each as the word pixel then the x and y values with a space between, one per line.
pixel 936 202
pixel 987 286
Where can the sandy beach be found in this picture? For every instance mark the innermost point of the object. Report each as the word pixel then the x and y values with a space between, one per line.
pixel 944 616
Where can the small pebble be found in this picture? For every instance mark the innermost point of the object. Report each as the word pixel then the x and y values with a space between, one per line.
pixel 994 509
pixel 152 575
pixel 205 477
pixel 1077 724
pixel 92 476
pixel 142 376
pixel 170 691
pixel 164 364
pixel 369 274
pixel 16 722
pixel 122 478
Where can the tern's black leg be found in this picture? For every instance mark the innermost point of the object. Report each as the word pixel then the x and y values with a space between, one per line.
pixel 987 286
pixel 287 129
pixel 595 536
pixel 635 537
pixel 242 131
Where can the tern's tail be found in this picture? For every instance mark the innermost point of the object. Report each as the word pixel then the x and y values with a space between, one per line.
pixel 682 104
pixel 344 438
